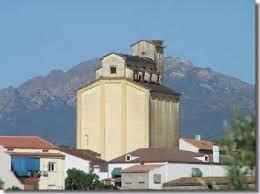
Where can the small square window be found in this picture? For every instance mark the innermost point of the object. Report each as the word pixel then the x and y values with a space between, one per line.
pixel 113 70
pixel 157 178
pixel 51 166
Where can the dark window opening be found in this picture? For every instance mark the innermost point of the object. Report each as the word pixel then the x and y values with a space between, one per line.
pixel 113 70
pixel 128 158
pixel 157 178
pixel 51 166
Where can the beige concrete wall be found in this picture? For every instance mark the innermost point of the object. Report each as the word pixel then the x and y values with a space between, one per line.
pixel 129 73
pixel 134 180
pixel 99 73
pixel 137 120
pixel 90 125
pixel 55 179
pixel 113 60
pixel 112 117
pixel 144 49
pixel 164 121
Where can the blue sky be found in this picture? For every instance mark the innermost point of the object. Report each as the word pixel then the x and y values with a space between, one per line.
pixel 38 36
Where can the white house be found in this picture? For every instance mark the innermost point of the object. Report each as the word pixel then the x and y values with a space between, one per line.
pixel 31 163
pixel 196 145
pixel 85 160
pixel 164 165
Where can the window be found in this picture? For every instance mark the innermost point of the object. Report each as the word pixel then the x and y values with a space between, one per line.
pixel 113 70
pixel 45 150
pixel 128 157
pixel 10 149
pixel 206 158
pixel 141 182
pixel 196 172
pixel 51 166
pixel 157 178
pixel 128 183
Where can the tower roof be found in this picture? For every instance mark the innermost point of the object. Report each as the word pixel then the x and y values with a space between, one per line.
pixel 158 43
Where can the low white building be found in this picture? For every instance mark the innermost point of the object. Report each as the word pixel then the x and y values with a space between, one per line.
pixel 164 165
pixel 31 163
pixel 85 160
pixel 196 145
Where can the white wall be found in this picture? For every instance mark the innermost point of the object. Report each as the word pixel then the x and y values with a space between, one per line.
pixel 183 145
pixel 172 171
pixel 116 61
pixel 5 172
pixel 178 170
pixel 161 170
pixel 101 175
pixel 75 162
pixel 99 73
pixel 55 179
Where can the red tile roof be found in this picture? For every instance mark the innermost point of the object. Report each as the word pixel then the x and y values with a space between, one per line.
pixel 197 181
pixel 155 155
pixel 142 168
pixel 201 144
pixel 85 154
pixel 30 142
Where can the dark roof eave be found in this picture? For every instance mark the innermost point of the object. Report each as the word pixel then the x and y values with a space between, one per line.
pixel 149 42
pixel 165 161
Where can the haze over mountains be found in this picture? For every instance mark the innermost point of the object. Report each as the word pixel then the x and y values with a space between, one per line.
pixel 45 105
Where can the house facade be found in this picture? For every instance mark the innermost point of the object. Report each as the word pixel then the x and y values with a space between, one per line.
pixel 156 166
pixel 85 160
pixel 127 107
pixel 30 162
pixel 196 145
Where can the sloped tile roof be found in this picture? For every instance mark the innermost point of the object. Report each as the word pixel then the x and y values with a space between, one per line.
pixel 131 57
pixel 157 88
pixel 85 154
pixel 142 168
pixel 197 181
pixel 158 43
pixel 201 144
pixel 33 142
pixel 146 155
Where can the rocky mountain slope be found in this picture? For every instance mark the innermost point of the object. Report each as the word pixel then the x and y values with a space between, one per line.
pixel 45 105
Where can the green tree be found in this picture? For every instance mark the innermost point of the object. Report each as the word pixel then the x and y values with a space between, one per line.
pixel 2 184
pixel 79 180
pixel 239 144
pixel 13 188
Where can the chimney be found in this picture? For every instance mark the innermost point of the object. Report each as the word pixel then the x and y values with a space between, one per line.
pixel 215 154
pixel 197 137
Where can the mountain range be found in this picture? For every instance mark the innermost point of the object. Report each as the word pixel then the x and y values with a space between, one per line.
pixel 46 105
